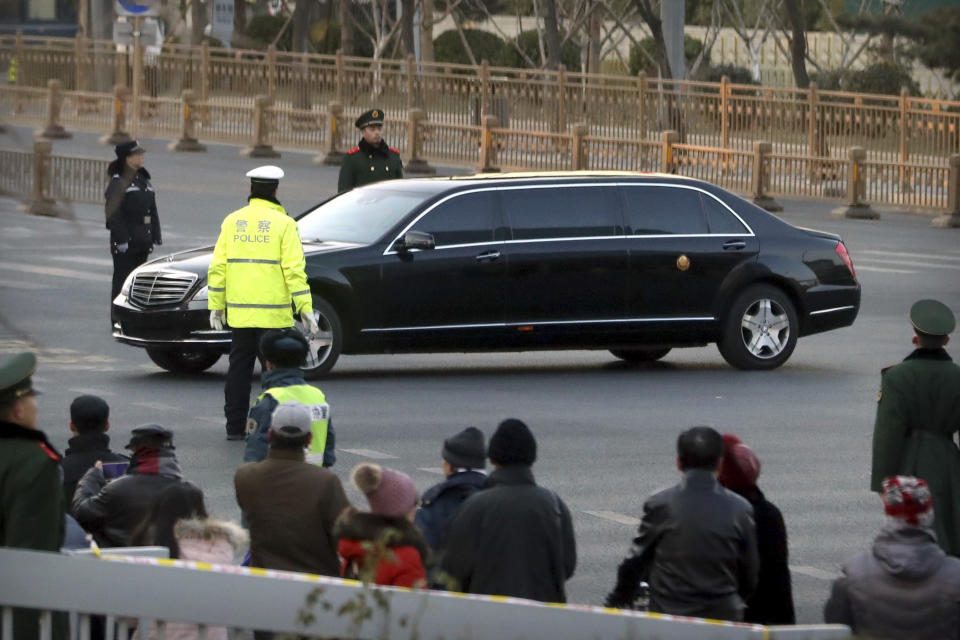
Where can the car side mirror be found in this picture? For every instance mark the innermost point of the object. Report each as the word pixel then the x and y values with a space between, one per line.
pixel 415 240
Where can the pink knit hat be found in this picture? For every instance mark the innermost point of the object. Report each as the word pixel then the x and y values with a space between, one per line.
pixel 389 492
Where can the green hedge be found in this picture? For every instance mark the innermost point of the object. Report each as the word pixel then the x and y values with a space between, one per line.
pixel 528 42
pixel 448 47
pixel 639 62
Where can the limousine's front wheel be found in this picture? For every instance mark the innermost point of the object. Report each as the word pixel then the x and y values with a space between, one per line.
pixel 760 330
pixel 324 347
pixel 183 360
pixel 640 355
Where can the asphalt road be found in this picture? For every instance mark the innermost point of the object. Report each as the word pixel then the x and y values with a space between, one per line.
pixel 606 430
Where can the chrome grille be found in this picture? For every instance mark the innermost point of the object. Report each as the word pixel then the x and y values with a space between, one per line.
pixel 155 288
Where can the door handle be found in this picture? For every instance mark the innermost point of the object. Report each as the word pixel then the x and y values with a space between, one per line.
pixel 488 256
pixel 734 245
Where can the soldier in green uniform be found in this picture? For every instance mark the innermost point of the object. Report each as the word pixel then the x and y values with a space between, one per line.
pixel 918 413
pixel 371 160
pixel 31 493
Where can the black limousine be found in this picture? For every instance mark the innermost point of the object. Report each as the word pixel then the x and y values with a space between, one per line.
pixel 637 264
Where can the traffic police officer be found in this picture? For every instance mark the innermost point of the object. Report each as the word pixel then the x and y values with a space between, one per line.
pixel 256 272
pixel 371 160
pixel 283 352
pixel 31 493
pixel 131 211
pixel 918 413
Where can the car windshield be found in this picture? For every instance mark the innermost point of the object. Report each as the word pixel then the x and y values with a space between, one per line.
pixel 361 215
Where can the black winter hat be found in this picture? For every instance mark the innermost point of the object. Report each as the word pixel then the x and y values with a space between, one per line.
pixel 284 345
pixel 128 148
pixel 512 443
pixel 465 449
pixel 150 435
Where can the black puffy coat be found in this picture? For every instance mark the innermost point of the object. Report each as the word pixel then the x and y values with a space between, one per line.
pixel 772 600
pixel 131 210
pixel 512 539
pixel 83 451
pixel 441 501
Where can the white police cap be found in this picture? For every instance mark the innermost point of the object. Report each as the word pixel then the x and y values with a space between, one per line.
pixel 266 173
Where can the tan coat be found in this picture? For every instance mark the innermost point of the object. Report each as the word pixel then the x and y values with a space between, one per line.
pixel 290 507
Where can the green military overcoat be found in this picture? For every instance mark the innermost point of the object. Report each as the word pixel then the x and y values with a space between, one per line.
pixel 918 413
pixel 365 164
pixel 31 507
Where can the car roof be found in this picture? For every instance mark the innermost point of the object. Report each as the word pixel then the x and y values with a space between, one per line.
pixel 446 182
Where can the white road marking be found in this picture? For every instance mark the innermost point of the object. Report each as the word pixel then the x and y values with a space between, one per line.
pixel 370 453
pixel 20 284
pixel 92 392
pixel 107 262
pixel 861 267
pixel 615 517
pixel 55 271
pixel 902 254
pixel 914 263
pixel 436 470
pixel 813 572
pixel 156 406
pixel 220 421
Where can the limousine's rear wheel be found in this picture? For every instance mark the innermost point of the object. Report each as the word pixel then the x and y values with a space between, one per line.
pixel 182 360
pixel 325 347
pixel 640 355
pixel 760 330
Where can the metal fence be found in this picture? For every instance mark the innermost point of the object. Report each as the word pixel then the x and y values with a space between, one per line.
pixel 158 591
pixel 725 115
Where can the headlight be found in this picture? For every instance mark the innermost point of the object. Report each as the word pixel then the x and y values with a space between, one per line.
pixel 127 284
pixel 201 295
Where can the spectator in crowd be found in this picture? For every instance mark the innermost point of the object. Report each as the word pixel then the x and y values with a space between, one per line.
pixel 111 511
pixel 697 546
pixel 918 416
pixel 464 458
pixel 772 600
pixel 31 494
pixel 905 586
pixel 89 423
pixel 178 520
pixel 283 352
pixel 514 538
pixel 290 505
pixel 382 544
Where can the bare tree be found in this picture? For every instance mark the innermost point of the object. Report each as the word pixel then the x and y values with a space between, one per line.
pixel 798 43
pixel 552 33
pixel 301 24
pixel 346 28
pixel 652 17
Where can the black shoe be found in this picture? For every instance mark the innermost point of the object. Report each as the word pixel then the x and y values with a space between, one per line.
pixel 235 436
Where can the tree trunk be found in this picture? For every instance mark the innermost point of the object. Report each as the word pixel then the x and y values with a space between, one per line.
pixel 239 21
pixel 652 18
pixel 426 31
pixel 301 24
pixel 798 43
pixel 552 33
pixel 346 28
pixel 593 53
pixel 199 19
pixel 406 26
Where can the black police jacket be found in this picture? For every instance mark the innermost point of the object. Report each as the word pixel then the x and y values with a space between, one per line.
pixel 131 210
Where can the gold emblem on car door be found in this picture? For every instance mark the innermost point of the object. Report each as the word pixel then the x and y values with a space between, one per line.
pixel 683 263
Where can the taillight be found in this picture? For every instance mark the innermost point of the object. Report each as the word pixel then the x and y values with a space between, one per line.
pixel 842 252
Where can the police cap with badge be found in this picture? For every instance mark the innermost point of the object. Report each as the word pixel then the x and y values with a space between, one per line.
pixel 371 118
pixel 128 148
pixel 932 318
pixel 15 378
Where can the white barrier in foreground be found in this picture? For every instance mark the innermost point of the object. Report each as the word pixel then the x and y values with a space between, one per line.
pixel 168 590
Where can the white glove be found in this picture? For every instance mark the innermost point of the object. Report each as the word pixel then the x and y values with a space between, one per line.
pixel 122 247
pixel 218 318
pixel 310 324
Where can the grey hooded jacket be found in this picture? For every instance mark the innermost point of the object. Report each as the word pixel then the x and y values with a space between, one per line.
pixel 906 587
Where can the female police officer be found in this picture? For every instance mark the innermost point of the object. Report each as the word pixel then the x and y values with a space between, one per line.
pixel 131 211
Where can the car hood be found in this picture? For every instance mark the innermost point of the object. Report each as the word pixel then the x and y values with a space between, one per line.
pixel 197 260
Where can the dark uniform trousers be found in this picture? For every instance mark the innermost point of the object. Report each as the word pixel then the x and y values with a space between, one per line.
pixel 123 264
pixel 243 353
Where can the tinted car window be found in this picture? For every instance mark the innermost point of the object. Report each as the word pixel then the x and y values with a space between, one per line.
pixel 663 210
pixel 719 218
pixel 562 212
pixel 464 219
pixel 361 215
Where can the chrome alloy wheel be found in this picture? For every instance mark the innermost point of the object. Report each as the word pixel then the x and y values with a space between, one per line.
pixel 765 328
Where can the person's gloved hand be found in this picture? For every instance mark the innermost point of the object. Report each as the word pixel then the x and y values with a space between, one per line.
pixel 122 247
pixel 618 600
pixel 218 318
pixel 310 323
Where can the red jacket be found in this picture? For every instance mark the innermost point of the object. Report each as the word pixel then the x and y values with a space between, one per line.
pixel 403 557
